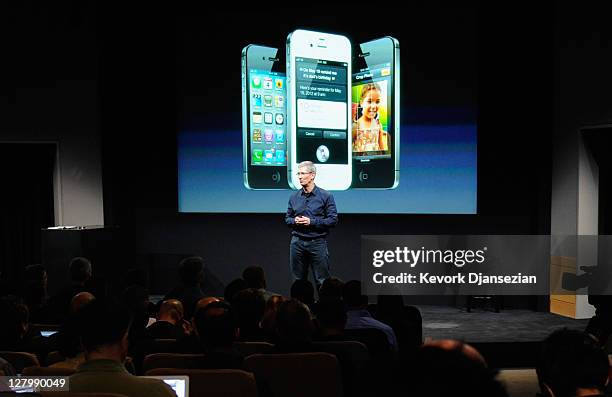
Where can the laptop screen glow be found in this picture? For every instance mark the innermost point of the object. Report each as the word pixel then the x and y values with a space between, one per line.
pixel 178 383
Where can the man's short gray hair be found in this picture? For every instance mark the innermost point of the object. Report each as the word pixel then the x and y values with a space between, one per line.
pixel 80 269
pixel 309 165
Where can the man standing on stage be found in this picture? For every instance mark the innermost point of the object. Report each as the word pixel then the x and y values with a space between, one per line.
pixel 311 212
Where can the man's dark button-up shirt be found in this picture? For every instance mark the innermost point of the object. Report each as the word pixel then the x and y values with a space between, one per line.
pixel 319 206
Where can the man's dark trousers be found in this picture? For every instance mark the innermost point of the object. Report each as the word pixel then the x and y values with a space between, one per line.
pixel 305 253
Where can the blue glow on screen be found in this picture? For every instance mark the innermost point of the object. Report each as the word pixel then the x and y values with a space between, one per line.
pixel 438 171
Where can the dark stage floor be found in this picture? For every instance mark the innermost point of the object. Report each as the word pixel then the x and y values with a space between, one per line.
pixel 487 326
pixel 507 339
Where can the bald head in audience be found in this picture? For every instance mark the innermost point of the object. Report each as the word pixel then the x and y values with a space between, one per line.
pixel 80 300
pixel 449 367
pixel 170 322
pixel 171 310
pixel 451 344
pixel 203 302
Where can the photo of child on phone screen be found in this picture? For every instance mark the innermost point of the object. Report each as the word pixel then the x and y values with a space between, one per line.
pixel 370 119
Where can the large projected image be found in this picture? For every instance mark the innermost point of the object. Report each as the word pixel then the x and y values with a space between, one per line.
pixel 337 104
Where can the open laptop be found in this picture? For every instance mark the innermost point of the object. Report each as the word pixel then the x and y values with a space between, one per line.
pixel 178 383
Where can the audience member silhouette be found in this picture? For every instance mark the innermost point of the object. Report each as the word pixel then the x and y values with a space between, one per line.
pixel 170 321
pixel 331 318
pixel 80 300
pixel 268 323
pixel 448 368
pixel 358 317
pixel 190 343
pixel 34 292
pixel 104 334
pixel 68 338
pixel 16 334
pixel 217 330
pixel 406 321
pixel 203 302
pixel 249 305
pixel 233 288
pixel 303 290
pixel 80 275
pixel 15 324
pixel 295 330
pixel 331 288
pixel 571 363
pixel 191 273
pixel 136 300
pixel 255 277
pixel 294 327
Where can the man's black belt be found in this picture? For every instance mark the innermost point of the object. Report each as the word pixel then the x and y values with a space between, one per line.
pixel 308 238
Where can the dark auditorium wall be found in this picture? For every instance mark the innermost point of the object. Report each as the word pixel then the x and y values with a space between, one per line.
pixel 49 94
pixel 583 93
pixel 582 98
